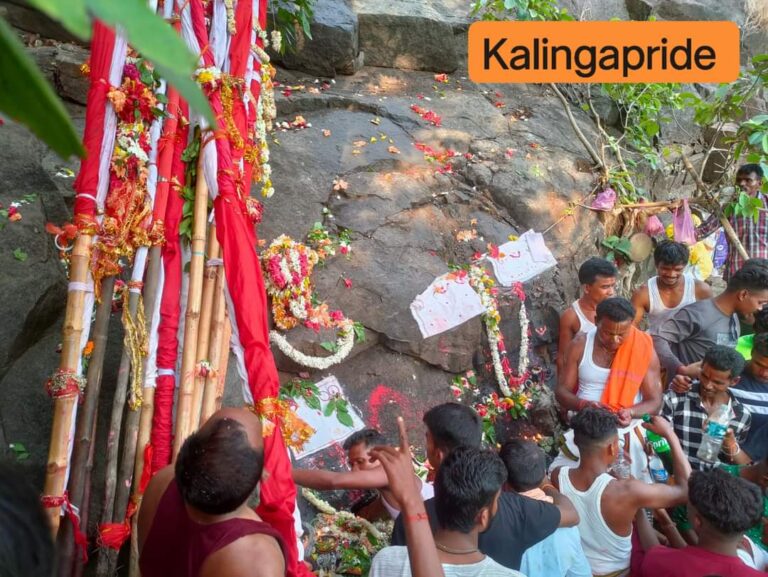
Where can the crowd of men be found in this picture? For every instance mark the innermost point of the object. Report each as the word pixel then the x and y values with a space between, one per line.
pixel 637 380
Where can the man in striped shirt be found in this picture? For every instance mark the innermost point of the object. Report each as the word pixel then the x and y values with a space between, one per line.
pixel 752 233
pixel 752 392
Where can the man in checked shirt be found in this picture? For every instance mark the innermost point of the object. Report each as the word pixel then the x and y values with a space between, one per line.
pixel 752 233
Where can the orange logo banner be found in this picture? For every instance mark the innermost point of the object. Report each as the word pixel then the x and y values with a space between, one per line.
pixel 603 52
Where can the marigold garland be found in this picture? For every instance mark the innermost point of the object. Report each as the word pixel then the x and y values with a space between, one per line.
pixel 279 411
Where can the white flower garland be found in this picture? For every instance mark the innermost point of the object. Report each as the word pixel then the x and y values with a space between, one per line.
pixel 345 343
pixel 326 508
pixel 482 283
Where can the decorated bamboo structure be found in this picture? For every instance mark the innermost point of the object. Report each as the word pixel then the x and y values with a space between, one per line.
pixel 218 349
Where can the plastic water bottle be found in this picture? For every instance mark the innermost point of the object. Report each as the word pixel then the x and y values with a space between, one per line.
pixel 660 446
pixel 621 468
pixel 658 472
pixel 714 434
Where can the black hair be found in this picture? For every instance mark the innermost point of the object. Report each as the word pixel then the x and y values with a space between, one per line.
pixel 761 321
pixel 525 462
pixel 616 309
pixel 731 505
pixel 595 267
pixel 593 426
pixel 753 276
pixel 760 345
pixel 467 481
pixel 750 168
pixel 453 425
pixel 26 547
pixel 368 437
pixel 723 358
pixel 671 253
pixel 217 468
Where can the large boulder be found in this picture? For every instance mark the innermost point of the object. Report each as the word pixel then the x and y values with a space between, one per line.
pixel 405 34
pixel 333 48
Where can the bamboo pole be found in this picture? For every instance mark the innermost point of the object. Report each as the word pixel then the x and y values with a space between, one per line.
pixel 204 330
pixel 218 348
pixel 223 363
pixel 729 232
pixel 103 566
pixel 192 315
pixel 86 421
pixel 64 406
pixel 85 509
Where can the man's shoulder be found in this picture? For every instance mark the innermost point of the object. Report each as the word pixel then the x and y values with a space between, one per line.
pixel 748 382
pixel 490 568
pixel 390 561
pixel 237 558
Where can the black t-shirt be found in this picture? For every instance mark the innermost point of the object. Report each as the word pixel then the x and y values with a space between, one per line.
pixel 519 523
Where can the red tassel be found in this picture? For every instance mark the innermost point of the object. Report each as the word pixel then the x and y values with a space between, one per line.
pixel 146 473
pixel 49 502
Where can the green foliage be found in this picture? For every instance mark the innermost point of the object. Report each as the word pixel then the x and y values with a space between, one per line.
pixel 746 206
pixel 519 10
pixel 617 246
pixel 20 255
pixel 330 346
pixel 19 451
pixel 308 391
pixel 292 18
pixel 26 97
pixel 359 332
pixel 189 156
pixel 302 389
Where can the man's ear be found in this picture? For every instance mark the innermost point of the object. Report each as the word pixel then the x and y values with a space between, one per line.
pixel 483 519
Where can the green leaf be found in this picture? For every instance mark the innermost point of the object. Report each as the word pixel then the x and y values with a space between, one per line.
pixel 71 13
pixel 26 97
pixel 20 255
pixel 344 418
pixel 156 41
pixel 313 402
pixel 359 332
pixel 330 346
pixel 330 407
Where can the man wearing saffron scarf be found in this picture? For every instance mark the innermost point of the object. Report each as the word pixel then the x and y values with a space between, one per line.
pixel 613 366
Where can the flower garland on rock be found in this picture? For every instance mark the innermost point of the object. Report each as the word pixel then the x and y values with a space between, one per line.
pixel 287 268
pixel 344 544
pixel 485 287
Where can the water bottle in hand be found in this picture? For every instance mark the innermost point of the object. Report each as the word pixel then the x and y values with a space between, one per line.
pixel 621 467
pixel 714 434
pixel 658 472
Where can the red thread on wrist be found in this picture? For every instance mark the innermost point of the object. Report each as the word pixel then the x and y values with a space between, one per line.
pixel 417 517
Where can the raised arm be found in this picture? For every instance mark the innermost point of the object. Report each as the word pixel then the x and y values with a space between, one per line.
pixel 331 480
pixel 672 332
pixel 569 326
pixel 397 464
pixel 641 302
pixel 568 376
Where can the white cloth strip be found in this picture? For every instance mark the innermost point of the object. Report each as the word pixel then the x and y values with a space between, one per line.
pixel 150 365
pixel 187 30
pixel 186 256
pixel 80 286
pixel 88 196
pixel 139 264
pixel 211 168
pixel 237 349
pixel 165 372
pixel 219 35
pixel 215 262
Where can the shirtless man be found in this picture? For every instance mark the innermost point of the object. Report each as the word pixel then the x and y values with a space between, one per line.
pixel 670 290
pixel 597 278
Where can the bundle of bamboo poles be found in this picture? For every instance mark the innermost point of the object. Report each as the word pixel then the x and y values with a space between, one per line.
pixel 204 361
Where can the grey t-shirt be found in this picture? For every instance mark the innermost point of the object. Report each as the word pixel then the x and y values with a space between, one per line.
pixel 685 337
pixel 393 562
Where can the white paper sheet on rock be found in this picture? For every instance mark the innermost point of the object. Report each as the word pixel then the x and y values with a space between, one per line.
pixel 328 430
pixel 448 302
pixel 522 259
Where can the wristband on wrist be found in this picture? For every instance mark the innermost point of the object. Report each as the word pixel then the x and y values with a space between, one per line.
pixel 416 517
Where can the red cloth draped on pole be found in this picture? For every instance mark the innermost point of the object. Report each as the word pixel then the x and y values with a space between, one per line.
pixel 242 270
pixel 170 308
pixel 87 181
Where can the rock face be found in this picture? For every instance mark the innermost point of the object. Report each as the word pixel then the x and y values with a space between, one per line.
pixel 405 34
pixel 333 48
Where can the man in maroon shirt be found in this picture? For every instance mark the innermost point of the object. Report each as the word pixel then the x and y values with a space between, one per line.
pixel 721 508
pixel 195 518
